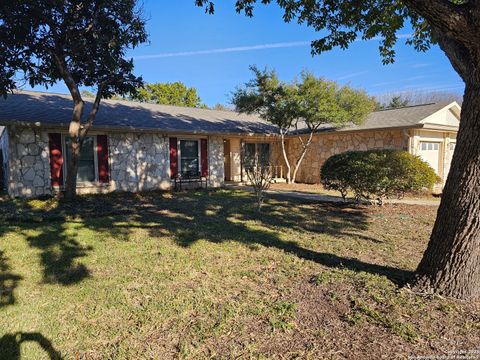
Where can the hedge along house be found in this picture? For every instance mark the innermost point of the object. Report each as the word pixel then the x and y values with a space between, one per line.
pixel 131 147
pixel 139 146
pixel 428 131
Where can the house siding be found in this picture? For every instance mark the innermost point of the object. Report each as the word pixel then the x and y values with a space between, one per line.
pixel 28 162
pixel 325 145
pixel 137 162
pixel 216 170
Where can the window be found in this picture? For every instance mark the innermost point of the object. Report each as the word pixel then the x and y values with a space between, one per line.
pixel 429 146
pixel 86 166
pixel 189 157
pixel 252 150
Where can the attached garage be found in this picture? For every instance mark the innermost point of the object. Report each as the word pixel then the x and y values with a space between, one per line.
pixel 428 131
pixel 430 152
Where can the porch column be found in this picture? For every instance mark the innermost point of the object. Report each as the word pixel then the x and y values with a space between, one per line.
pixel 235 159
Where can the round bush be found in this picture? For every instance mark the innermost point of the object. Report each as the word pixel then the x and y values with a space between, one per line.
pixel 377 174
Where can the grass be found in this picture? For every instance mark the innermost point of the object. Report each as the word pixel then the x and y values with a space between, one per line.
pixel 203 275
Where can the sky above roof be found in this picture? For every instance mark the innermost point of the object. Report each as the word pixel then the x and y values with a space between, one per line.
pixel 213 53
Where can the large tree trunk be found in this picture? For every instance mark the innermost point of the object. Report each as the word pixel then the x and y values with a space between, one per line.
pixel 75 147
pixel 451 263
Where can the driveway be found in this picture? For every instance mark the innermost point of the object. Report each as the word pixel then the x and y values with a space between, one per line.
pixel 332 198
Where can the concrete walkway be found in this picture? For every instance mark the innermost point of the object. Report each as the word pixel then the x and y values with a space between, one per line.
pixel 332 198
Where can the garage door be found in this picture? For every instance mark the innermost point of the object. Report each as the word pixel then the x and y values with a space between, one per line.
pixel 430 152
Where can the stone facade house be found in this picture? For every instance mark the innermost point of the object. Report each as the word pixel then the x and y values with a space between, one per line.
pixel 139 146
pixel 428 131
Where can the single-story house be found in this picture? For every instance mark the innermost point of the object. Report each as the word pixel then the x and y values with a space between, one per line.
pixel 139 146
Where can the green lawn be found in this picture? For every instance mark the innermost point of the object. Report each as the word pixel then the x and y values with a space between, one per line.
pixel 202 275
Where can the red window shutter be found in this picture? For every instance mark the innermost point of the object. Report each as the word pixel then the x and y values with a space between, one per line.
pixel 56 159
pixel 102 156
pixel 204 155
pixel 173 157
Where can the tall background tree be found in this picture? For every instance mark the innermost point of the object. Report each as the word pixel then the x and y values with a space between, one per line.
pixel 273 100
pixel 395 102
pixel 301 107
pixel 415 97
pixel 175 93
pixel 79 42
pixel 451 263
pixel 319 102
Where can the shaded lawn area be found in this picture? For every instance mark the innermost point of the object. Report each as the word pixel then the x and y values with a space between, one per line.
pixel 202 275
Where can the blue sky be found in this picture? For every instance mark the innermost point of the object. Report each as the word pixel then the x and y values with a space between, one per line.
pixel 213 53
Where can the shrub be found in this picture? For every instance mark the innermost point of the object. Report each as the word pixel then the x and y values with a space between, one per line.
pixel 376 174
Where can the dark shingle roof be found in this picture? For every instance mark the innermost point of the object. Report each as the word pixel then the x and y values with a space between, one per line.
pixel 56 109
pixel 402 117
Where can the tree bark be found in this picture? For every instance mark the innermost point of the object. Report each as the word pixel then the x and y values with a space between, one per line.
pixel 451 263
pixel 285 157
pixel 76 141
pixel 302 155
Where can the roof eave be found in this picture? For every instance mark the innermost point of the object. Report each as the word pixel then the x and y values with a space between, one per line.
pixel 64 127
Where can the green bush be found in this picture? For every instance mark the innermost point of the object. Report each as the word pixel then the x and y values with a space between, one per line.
pixel 377 174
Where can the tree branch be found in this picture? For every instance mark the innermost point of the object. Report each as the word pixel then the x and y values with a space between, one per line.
pixel 93 111
pixel 442 15
pixel 67 77
pixel 458 55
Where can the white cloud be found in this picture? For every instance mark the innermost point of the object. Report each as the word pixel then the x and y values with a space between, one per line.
pixel 420 65
pixel 225 50
pixel 279 45
pixel 352 75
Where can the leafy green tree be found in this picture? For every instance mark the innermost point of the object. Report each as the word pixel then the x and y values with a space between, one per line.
pixel 272 100
pixel 451 263
pixel 320 102
pixel 176 93
pixel 301 106
pixel 80 42
pixel 86 93
pixel 397 102
pixel 220 107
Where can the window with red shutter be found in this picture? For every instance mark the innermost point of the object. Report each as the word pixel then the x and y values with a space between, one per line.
pixel 102 159
pixel 173 157
pixel 56 158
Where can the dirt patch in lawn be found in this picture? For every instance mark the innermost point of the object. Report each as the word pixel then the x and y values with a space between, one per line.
pixel 319 189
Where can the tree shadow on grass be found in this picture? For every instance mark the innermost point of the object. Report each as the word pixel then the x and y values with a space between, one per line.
pixel 10 345
pixel 218 218
pixel 59 253
pixel 8 282
pixel 212 216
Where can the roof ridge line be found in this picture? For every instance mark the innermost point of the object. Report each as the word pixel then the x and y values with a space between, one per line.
pixel 411 106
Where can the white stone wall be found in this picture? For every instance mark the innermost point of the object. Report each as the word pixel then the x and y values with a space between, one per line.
pixel 28 162
pixel 216 173
pixel 139 161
